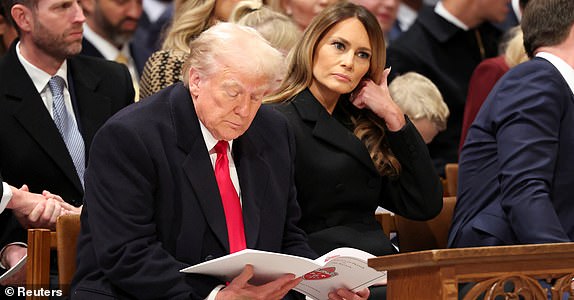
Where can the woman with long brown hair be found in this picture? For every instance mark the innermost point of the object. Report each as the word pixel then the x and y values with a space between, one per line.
pixel 356 150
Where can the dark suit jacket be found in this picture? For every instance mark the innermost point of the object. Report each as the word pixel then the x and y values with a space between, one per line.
pixel 481 83
pixel 152 204
pixel 139 55
pixel 338 186
pixel 447 55
pixel 33 152
pixel 149 35
pixel 515 172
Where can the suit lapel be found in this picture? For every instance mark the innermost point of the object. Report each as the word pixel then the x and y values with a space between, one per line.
pixel 329 130
pixel 253 173
pixel 35 118
pixel 91 108
pixel 197 165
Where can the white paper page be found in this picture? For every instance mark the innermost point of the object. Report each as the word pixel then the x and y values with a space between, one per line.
pixel 15 268
pixel 267 265
pixel 344 268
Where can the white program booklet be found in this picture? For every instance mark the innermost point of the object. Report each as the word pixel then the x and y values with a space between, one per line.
pixel 340 268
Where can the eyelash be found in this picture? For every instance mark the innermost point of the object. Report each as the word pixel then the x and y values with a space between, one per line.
pixel 338 45
pixel 364 55
pixel 341 46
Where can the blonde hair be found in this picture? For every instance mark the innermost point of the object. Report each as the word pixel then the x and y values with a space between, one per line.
pixel 369 128
pixel 216 46
pixel 275 27
pixel 514 53
pixel 191 17
pixel 419 98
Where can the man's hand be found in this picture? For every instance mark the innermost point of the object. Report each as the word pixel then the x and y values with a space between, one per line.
pixel 38 211
pixel 343 294
pixel 69 209
pixel 11 255
pixel 239 288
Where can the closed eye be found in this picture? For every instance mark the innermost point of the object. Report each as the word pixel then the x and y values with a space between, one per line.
pixel 232 94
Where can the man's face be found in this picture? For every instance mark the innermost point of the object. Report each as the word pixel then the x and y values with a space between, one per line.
pixel 57 27
pixel 494 10
pixel 226 101
pixel 384 10
pixel 303 11
pixel 115 20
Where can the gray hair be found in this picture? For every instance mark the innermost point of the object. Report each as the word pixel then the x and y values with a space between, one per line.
pixel 228 42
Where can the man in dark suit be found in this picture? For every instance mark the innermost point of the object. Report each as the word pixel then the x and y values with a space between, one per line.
pixel 155 200
pixel 515 171
pixel 36 149
pixel 445 44
pixel 154 21
pixel 108 32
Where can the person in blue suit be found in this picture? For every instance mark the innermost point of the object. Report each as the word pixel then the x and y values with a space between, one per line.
pixel 516 175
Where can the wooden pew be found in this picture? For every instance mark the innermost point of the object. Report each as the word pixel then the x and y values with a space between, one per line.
pixel 436 274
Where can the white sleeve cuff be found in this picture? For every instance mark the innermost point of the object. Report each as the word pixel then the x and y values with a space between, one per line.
pixel 214 292
pixel 6 196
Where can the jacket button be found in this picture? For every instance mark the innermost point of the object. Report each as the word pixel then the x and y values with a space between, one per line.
pixel 209 257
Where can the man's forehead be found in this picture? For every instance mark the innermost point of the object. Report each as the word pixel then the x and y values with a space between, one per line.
pixel 250 81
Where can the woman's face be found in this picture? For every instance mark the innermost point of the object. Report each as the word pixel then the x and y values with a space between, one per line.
pixel 223 9
pixel 303 11
pixel 341 59
pixel 384 10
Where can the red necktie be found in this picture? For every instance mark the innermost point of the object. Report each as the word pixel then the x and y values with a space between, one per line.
pixel 230 199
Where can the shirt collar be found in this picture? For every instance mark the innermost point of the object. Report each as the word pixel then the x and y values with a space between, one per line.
pixel 563 67
pixel 107 49
pixel 516 9
pixel 406 16
pixel 440 10
pixel 155 8
pixel 39 77
pixel 209 140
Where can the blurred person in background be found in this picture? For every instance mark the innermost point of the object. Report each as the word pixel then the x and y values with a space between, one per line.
pixel 191 18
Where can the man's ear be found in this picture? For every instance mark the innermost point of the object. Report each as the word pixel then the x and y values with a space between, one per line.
pixel 194 80
pixel 23 17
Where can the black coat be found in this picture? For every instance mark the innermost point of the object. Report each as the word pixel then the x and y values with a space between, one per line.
pixel 338 187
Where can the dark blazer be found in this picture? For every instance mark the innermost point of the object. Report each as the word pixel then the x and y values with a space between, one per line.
pixel 152 206
pixel 33 152
pixel 149 35
pixel 139 55
pixel 447 55
pixel 338 186
pixel 481 83
pixel 515 172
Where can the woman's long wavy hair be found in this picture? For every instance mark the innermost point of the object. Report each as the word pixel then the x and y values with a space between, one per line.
pixel 191 17
pixel 368 127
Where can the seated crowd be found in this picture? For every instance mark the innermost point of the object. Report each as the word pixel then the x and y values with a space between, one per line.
pixel 188 130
